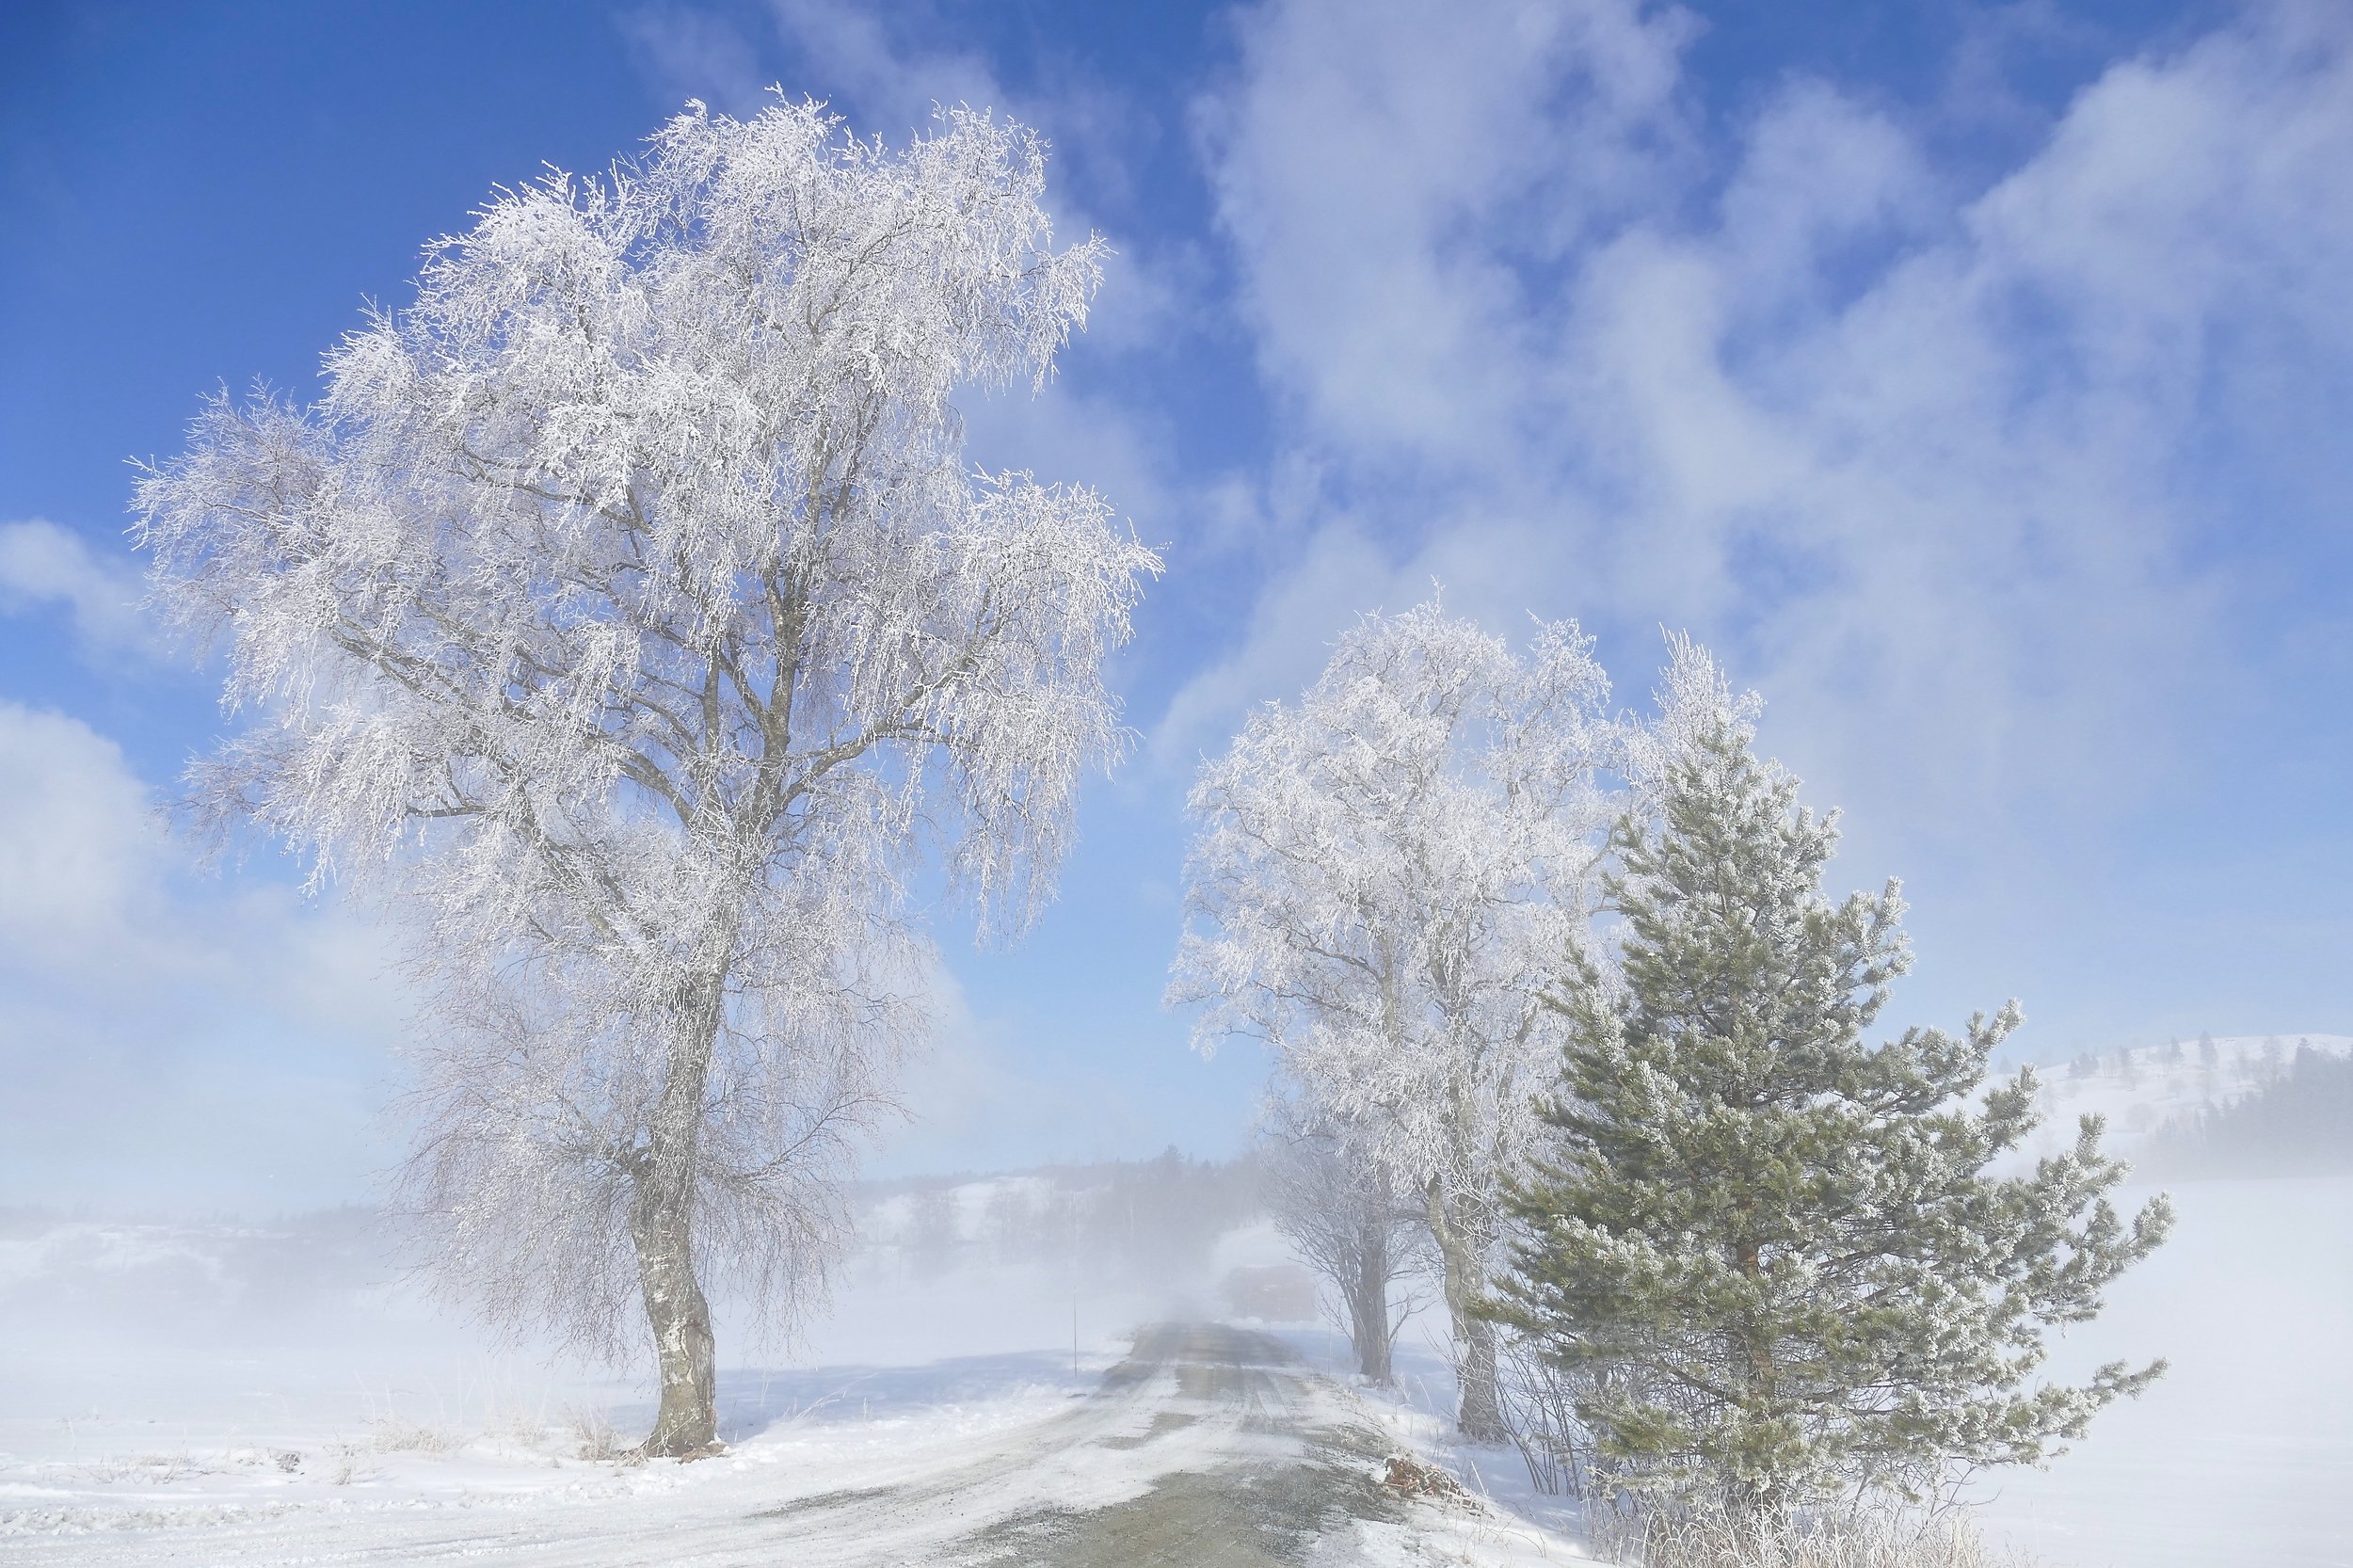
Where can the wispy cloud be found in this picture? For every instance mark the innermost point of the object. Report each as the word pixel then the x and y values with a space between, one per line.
pixel 1933 463
pixel 225 1041
pixel 869 54
pixel 688 52
pixel 43 564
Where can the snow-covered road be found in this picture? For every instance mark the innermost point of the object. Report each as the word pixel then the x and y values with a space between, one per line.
pixel 1208 1446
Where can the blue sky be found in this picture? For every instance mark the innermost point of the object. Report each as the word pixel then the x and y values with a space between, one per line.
pixel 1974 378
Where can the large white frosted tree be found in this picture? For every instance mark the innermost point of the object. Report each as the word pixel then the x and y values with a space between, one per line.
pixel 625 617
pixel 1378 871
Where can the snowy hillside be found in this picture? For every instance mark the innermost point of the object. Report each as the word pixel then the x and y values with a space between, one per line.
pixel 2142 1089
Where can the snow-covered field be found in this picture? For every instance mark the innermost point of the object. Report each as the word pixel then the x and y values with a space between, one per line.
pixel 168 1393
pixel 1202 1435
pixel 2242 1452
pixel 195 1371
pixel 2241 1455
pixel 186 1402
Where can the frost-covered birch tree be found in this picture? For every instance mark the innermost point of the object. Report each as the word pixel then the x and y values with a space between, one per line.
pixel 625 615
pixel 1378 871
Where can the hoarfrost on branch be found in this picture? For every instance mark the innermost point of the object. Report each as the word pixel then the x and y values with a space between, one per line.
pixel 625 615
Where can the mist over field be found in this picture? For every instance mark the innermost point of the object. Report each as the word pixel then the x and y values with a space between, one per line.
pixel 1264 781
pixel 182 1359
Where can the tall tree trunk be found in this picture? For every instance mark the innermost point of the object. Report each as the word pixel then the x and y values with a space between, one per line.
pixel 1462 1256
pixel 1368 1302
pixel 660 1223
pixel 687 1423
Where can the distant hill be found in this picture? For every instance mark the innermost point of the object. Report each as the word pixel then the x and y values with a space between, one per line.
pixel 2159 1101
pixel 2298 1123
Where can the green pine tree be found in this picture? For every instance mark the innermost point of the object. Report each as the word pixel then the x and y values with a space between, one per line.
pixel 1767 1255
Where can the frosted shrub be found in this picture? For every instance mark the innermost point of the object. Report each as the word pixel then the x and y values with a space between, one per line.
pixel 1872 1533
pixel 395 1436
pixel 594 1437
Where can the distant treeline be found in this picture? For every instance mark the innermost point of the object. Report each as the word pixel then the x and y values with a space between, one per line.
pixel 2298 1123
pixel 1147 1219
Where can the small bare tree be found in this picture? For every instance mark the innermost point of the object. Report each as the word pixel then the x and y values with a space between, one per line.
pixel 626 615
pixel 1351 1220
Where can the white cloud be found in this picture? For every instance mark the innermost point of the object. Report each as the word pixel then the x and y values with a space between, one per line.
pixel 690 52
pixel 830 50
pixel 1292 625
pixel 78 848
pixel 1395 174
pixel 855 50
pixel 171 1039
pixel 1929 466
pixel 43 564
